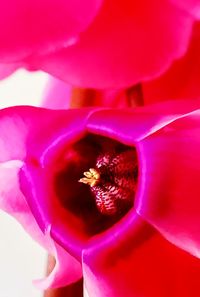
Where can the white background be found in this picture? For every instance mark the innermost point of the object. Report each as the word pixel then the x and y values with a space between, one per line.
pixel 21 259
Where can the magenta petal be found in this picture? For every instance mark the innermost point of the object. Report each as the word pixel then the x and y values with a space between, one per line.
pixel 7 69
pixel 192 6
pixel 126 43
pixel 140 263
pixel 16 122
pixel 24 124
pixel 182 80
pixel 41 26
pixel 66 270
pixel 12 148
pixel 39 134
pixel 169 193
pixel 167 140
pixel 57 94
pixel 129 126
pixel 12 201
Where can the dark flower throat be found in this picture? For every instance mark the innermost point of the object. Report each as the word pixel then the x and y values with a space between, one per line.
pixel 113 181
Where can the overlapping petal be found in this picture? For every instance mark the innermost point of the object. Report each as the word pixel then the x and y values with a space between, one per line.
pixel 68 127
pixel 29 27
pixel 182 80
pixel 7 69
pixel 169 197
pixel 130 126
pixel 14 203
pixel 56 94
pixel 193 6
pixel 168 146
pixel 141 263
pixel 167 141
pixel 67 269
pixel 13 152
pixel 127 42
pixel 100 44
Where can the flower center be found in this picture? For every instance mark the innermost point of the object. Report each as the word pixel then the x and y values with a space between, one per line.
pixel 113 181
pixel 107 172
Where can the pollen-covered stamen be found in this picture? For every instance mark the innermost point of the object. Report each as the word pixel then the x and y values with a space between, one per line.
pixel 91 178
pixel 113 182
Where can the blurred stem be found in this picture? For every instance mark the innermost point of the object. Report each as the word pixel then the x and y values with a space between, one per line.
pixel 130 97
pixel 83 97
pixel 134 96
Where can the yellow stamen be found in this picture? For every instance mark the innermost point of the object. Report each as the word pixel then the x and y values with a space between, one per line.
pixel 91 178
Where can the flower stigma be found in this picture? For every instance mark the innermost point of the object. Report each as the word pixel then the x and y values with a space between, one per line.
pixel 92 177
pixel 113 181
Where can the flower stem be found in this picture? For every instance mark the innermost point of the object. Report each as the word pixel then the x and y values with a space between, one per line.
pixel 130 97
pixel 134 96
pixel 83 97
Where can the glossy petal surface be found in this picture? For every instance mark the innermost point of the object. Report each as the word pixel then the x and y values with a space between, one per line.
pixel 169 197
pixel 167 140
pixel 141 125
pixel 14 203
pixel 36 147
pixel 130 126
pixel 13 151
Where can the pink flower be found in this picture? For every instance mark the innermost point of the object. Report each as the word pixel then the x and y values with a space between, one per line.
pixel 99 44
pixel 144 239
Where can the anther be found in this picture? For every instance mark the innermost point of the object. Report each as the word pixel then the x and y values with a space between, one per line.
pixel 92 177
pixel 113 182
